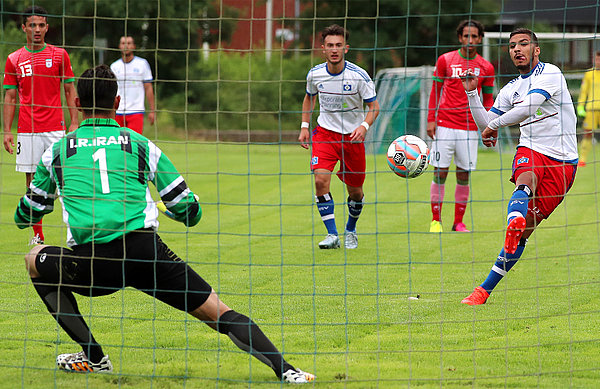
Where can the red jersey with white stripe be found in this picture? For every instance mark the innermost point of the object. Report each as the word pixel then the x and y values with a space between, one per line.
pixel 448 103
pixel 37 74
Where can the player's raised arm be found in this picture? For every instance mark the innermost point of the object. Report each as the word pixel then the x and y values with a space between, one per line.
pixel 480 115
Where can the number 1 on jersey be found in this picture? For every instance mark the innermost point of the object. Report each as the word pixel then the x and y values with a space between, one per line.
pixel 100 156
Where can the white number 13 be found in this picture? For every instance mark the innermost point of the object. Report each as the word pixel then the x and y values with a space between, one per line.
pixel 100 156
pixel 26 70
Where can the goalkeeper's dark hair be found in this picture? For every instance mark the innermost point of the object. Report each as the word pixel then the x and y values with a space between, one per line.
pixel 470 23
pixel 34 10
pixel 525 31
pixel 335 29
pixel 97 89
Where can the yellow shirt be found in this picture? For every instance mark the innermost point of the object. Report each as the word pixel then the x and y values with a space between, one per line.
pixel 589 97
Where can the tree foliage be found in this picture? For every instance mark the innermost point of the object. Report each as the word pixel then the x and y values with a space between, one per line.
pixel 387 33
pixel 167 33
pixel 242 91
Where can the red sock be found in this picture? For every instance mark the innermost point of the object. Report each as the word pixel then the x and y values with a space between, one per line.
pixel 461 197
pixel 437 199
pixel 37 229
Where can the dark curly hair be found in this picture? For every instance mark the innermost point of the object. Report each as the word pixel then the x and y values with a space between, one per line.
pixel 470 23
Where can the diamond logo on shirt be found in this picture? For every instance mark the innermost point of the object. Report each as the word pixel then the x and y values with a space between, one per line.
pixel 347 88
pixel 48 62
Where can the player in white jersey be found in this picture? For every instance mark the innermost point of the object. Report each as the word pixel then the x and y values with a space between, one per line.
pixel 546 159
pixel 343 89
pixel 134 77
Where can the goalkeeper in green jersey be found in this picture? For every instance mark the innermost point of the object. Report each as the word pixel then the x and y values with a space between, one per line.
pixel 100 173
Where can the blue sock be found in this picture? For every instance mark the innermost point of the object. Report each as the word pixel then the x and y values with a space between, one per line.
pixel 517 206
pixel 354 210
pixel 503 264
pixel 325 207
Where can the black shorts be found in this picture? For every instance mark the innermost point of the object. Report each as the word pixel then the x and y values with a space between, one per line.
pixel 139 259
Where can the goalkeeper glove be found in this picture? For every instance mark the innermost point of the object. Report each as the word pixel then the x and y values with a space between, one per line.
pixel 163 208
pixel 581 111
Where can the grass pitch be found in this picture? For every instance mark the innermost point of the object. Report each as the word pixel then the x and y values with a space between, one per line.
pixel 344 315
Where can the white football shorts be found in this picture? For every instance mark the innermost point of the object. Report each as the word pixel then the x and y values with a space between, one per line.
pixel 460 144
pixel 31 146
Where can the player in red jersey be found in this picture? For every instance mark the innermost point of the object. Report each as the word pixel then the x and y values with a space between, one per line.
pixel 35 73
pixel 450 124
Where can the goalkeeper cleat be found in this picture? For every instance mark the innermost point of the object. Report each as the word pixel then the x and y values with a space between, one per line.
pixel 514 231
pixel 350 239
pixel 79 362
pixel 297 376
pixel 478 297
pixel 436 226
pixel 460 227
pixel 331 241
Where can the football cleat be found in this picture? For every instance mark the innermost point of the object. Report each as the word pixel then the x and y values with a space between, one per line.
pixel 478 297
pixel 581 163
pixel 514 231
pixel 350 239
pixel 460 227
pixel 436 226
pixel 37 239
pixel 297 376
pixel 79 362
pixel 331 241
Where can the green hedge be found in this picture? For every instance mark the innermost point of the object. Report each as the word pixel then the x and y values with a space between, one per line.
pixel 232 91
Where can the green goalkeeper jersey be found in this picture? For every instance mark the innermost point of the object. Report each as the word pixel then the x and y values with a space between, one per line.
pixel 100 174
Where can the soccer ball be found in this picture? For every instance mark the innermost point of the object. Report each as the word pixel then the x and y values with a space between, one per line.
pixel 408 156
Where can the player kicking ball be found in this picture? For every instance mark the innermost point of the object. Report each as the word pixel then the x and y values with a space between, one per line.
pixel 101 173
pixel 545 163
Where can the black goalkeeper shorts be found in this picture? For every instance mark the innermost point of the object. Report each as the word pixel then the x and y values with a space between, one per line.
pixel 139 259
